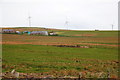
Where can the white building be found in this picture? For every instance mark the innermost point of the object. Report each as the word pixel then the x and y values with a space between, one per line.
pixel 39 33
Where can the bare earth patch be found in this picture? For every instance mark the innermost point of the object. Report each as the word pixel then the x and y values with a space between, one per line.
pixel 85 35
pixel 99 44
pixel 53 43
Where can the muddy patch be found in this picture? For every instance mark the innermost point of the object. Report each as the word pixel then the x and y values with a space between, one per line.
pixel 72 46
pixel 88 35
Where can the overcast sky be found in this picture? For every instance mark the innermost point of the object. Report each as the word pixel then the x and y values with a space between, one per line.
pixel 80 14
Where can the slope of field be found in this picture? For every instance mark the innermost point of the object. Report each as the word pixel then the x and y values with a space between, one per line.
pixel 36 56
pixel 108 38
pixel 63 61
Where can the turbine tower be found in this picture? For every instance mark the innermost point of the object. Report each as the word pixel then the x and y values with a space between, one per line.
pixel 29 19
pixel 66 23
pixel 112 26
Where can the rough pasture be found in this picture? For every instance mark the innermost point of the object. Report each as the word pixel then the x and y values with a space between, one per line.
pixel 58 40
pixel 35 56
pixel 60 61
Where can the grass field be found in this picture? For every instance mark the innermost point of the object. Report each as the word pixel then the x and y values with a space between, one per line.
pixel 37 55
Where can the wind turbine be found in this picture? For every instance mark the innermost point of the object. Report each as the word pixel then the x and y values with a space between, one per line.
pixel 112 26
pixel 29 19
pixel 66 23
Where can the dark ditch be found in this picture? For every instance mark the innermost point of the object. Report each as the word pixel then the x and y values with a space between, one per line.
pixel 72 46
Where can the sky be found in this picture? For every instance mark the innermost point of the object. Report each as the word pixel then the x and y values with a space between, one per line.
pixel 60 14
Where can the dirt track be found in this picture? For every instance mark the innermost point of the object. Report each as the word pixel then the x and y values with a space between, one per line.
pixel 56 40
pixel 41 43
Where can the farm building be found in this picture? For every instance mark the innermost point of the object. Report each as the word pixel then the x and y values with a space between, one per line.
pixel 18 32
pixel 25 31
pixel 8 31
pixel 38 33
pixel 52 34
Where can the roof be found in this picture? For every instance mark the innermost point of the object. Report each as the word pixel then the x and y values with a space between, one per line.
pixel 8 30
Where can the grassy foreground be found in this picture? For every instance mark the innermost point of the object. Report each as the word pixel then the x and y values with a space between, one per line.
pixel 60 61
pixel 36 56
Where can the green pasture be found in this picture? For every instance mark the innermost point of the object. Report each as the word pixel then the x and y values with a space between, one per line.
pixel 100 33
pixel 39 58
